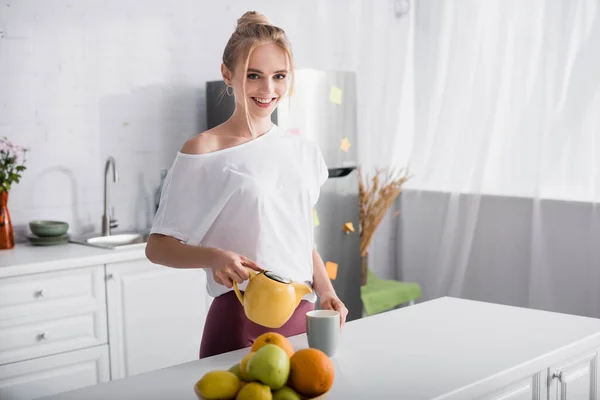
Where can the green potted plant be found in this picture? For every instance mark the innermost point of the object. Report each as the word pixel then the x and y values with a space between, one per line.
pixel 12 165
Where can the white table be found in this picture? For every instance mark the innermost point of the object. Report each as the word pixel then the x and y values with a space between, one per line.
pixel 442 349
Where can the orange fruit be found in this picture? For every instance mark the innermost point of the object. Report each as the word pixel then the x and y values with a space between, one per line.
pixel 243 364
pixel 311 372
pixel 273 338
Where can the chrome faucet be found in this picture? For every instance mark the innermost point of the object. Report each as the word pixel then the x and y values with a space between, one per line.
pixel 108 222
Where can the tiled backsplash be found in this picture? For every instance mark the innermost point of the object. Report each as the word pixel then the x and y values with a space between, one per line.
pixel 81 81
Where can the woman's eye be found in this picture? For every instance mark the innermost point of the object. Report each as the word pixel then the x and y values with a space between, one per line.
pixel 280 76
pixel 253 76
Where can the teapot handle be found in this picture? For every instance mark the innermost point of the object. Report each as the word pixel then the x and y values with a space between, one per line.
pixel 239 295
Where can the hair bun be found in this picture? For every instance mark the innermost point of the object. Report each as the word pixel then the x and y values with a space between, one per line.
pixel 252 17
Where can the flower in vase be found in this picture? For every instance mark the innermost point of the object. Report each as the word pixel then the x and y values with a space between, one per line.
pixel 12 163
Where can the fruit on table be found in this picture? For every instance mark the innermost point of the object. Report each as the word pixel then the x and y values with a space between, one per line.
pixel 273 338
pixel 311 372
pixel 244 366
pixel 269 365
pixel 218 385
pixel 236 371
pixel 270 373
pixel 286 393
pixel 254 391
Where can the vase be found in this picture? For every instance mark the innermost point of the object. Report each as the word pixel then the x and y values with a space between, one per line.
pixel 7 236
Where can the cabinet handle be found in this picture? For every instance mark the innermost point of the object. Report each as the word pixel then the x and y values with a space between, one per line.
pixel 42 336
pixel 110 277
pixel 39 293
pixel 557 376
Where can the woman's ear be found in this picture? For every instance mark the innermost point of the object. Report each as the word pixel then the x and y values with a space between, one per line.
pixel 226 74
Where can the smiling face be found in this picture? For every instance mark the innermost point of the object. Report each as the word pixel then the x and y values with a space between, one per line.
pixel 266 80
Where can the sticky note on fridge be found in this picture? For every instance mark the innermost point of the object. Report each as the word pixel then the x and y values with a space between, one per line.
pixel 331 269
pixel 335 95
pixel 345 144
pixel 315 218
pixel 348 227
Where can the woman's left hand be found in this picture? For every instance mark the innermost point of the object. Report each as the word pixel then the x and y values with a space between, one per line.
pixel 330 301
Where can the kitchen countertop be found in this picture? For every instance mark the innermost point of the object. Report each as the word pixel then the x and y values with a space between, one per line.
pixel 438 349
pixel 28 259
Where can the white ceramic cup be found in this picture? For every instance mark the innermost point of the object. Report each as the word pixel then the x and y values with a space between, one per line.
pixel 323 330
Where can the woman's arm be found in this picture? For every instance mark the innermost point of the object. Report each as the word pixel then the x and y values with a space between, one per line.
pixel 321 281
pixel 324 288
pixel 226 266
pixel 168 251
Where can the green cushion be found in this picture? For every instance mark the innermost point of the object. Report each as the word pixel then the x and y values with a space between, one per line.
pixel 380 295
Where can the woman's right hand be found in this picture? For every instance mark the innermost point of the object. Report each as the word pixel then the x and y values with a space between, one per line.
pixel 228 266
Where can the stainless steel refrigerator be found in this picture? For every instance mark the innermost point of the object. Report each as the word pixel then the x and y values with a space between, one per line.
pixel 322 109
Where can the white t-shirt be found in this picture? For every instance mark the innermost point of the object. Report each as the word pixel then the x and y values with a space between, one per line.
pixel 255 199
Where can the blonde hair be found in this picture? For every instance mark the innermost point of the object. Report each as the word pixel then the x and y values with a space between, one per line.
pixel 254 29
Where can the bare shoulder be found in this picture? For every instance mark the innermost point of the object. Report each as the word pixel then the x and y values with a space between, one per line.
pixel 215 139
pixel 201 143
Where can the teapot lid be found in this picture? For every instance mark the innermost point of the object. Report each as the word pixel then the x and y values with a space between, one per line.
pixel 276 277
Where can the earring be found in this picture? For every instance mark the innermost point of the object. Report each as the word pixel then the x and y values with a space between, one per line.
pixel 227 91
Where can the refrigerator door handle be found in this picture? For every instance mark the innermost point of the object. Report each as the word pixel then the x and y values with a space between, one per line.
pixel 340 172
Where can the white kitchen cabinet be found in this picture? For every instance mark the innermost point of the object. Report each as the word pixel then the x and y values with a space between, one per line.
pixel 54 374
pixel 52 312
pixel 156 316
pixel 576 378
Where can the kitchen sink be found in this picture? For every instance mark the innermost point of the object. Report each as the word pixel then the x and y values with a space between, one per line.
pixel 114 241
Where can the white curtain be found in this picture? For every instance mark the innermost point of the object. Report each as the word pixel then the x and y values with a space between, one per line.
pixel 495 106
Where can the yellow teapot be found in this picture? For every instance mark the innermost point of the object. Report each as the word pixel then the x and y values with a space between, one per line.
pixel 269 299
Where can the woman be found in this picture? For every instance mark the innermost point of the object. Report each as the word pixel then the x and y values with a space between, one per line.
pixel 241 195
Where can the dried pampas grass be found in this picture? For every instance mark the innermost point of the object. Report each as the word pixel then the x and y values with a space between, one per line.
pixel 376 195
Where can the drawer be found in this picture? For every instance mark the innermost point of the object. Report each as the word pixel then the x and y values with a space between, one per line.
pixel 29 298
pixel 43 314
pixel 54 375
pixel 27 341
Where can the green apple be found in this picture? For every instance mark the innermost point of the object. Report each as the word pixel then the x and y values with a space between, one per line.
pixel 270 365
pixel 236 370
pixel 286 393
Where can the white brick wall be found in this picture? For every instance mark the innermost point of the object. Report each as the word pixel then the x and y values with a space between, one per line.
pixel 82 80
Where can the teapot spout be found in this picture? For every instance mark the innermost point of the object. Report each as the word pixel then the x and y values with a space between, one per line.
pixel 302 289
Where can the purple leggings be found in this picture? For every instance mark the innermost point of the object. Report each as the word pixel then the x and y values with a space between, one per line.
pixel 227 328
